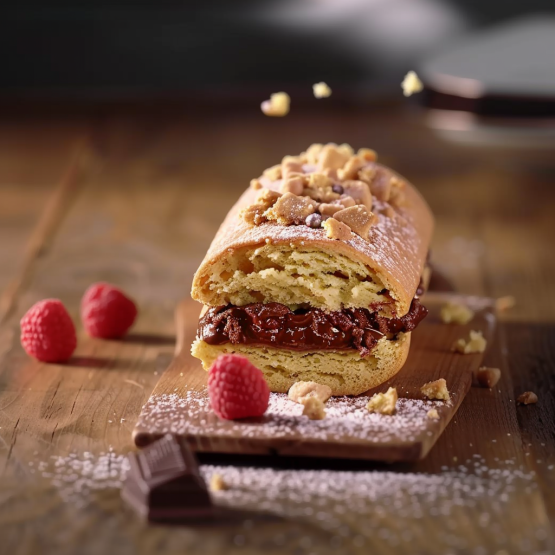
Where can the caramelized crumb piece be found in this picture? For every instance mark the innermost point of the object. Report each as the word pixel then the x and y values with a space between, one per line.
pixel 486 377
pixel 313 153
pixel 456 313
pixel 290 209
pixel 351 168
pixel 329 209
pixel 360 192
pixel 436 390
pixel 313 408
pixel 358 218
pixel 337 230
pixel 332 156
pixel 346 201
pixel 293 184
pixel 255 213
pixel 217 483
pixel 527 398
pixel 273 173
pixel 475 344
pixel 255 184
pixel 383 403
pixel 300 391
pixel 367 154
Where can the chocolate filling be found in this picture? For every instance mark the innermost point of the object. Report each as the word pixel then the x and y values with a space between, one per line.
pixel 310 329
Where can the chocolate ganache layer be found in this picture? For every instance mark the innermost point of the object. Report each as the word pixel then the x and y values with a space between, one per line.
pixel 275 325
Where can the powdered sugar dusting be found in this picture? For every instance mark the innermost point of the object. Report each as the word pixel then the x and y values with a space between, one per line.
pixel 347 419
pixel 474 507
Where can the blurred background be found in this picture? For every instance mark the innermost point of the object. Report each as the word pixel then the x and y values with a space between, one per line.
pixel 491 58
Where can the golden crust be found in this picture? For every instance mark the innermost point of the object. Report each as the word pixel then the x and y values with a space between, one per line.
pixel 395 250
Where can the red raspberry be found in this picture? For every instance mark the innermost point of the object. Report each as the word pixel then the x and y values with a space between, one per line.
pixel 106 312
pixel 47 331
pixel 237 389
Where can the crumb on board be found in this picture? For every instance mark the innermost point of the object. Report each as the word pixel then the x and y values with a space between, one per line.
pixel 411 84
pixel 313 408
pixel 300 391
pixel 486 377
pixel 321 90
pixel 217 483
pixel 475 344
pixel 527 398
pixel 436 390
pixel 504 303
pixel 433 414
pixel 456 313
pixel 383 403
pixel 277 106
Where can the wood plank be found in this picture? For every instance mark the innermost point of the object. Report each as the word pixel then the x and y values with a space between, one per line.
pixel 144 219
pixel 179 403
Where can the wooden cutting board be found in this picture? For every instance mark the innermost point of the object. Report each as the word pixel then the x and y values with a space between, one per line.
pixel 179 403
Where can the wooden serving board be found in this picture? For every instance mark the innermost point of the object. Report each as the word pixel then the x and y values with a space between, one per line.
pixel 179 403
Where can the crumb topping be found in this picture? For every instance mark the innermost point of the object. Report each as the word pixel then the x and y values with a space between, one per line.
pixel 337 230
pixel 335 179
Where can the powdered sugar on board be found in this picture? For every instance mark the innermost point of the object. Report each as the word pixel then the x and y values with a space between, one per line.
pixel 347 419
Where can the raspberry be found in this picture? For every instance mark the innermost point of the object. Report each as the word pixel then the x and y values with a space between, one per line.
pixel 47 331
pixel 106 312
pixel 237 389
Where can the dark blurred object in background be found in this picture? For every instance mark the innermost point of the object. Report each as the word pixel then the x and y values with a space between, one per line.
pixel 100 49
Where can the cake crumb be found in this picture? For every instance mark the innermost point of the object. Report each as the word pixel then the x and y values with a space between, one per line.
pixel 313 408
pixel 277 106
pixel 486 377
pixel 383 403
pixel 433 414
pixel 436 390
pixel 321 90
pixel 504 303
pixel 475 344
pixel 300 391
pixel 527 398
pixel 217 483
pixel 456 313
pixel 411 84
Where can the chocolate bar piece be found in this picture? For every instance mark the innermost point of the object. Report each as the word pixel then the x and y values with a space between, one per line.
pixel 164 483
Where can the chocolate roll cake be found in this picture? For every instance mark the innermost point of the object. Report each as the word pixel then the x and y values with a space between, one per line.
pixel 315 273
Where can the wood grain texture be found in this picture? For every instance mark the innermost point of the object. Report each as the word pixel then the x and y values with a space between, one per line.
pixel 143 217
pixel 430 358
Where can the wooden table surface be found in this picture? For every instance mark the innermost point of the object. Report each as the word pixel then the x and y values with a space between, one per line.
pixel 134 197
